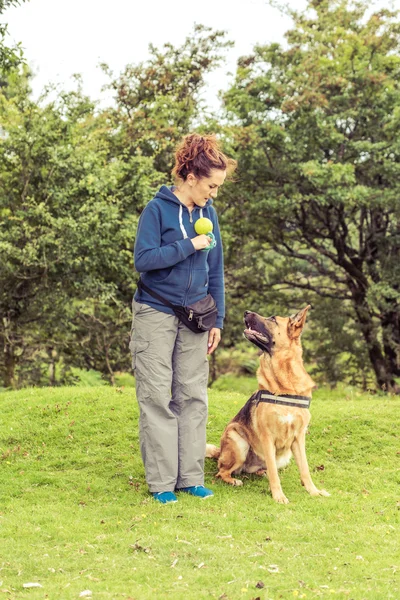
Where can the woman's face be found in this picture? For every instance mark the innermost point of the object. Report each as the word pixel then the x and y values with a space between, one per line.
pixel 206 187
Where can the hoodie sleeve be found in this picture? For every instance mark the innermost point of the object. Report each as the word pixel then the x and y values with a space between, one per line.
pixel 216 285
pixel 149 254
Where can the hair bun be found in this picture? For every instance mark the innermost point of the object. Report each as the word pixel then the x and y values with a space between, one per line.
pixel 199 154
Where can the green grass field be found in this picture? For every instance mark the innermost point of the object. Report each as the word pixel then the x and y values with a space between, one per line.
pixel 75 513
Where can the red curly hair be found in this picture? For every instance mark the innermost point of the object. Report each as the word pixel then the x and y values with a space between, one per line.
pixel 199 154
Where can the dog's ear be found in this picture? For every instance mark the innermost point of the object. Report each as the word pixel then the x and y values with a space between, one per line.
pixel 297 321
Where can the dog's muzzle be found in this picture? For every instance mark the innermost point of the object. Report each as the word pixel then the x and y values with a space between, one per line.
pixel 257 333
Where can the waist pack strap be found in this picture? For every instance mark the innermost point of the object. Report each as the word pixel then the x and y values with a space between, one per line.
pixel 143 286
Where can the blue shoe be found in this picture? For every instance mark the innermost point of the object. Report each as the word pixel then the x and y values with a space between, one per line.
pixel 165 497
pixel 198 490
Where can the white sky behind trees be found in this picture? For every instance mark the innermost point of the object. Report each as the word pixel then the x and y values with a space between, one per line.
pixel 63 37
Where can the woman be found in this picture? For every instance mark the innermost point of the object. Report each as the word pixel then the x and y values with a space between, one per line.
pixel 169 360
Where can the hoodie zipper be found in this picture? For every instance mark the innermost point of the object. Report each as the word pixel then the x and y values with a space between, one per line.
pixel 191 261
pixel 190 279
pixel 192 256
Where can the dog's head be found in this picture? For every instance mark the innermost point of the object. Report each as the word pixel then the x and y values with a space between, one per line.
pixel 271 334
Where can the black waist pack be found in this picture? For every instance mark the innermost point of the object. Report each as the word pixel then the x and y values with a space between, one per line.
pixel 198 317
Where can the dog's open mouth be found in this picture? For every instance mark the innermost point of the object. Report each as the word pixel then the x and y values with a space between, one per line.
pixel 261 340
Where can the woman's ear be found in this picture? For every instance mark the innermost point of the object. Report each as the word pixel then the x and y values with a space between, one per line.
pixel 191 180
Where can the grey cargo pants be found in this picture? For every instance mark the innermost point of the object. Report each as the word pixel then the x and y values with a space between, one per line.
pixel 171 370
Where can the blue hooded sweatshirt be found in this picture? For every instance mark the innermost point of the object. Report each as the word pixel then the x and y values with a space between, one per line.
pixel 167 260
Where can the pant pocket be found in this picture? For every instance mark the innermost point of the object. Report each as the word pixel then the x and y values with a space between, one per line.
pixel 136 347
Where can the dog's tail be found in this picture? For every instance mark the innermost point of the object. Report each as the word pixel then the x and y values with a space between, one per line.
pixel 212 451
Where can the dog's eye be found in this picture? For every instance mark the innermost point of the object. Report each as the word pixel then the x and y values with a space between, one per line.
pixel 273 319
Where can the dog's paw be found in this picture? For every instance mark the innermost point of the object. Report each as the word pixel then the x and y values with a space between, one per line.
pixel 212 451
pixel 281 498
pixel 317 492
pixel 237 482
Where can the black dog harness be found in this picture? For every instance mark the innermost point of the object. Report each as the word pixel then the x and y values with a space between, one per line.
pixel 285 399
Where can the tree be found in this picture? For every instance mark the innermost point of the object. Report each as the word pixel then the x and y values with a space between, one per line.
pixel 316 131
pixel 9 57
pixel 62 241
pixel 73 182
pixel 159 101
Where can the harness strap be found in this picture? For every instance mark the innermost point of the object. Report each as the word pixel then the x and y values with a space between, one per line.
pixel 285 399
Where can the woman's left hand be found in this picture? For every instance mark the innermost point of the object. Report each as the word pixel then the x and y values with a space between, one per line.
pixel 214 338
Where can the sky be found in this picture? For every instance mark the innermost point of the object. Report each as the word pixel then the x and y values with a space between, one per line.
pixel 63 37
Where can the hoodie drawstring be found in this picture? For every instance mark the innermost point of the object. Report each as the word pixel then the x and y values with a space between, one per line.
pixel 181 225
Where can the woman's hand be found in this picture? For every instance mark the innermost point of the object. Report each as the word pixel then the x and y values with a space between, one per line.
pixel 214 338
pixel 200 242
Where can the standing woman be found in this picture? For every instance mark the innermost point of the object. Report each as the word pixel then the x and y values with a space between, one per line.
pixel 170 360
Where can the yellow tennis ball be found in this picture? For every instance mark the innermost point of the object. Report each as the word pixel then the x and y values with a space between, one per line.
pixel 203 225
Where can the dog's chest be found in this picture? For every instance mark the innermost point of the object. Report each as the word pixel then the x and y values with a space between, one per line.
pixel 285 424
pixel 286 428
pixel 289 418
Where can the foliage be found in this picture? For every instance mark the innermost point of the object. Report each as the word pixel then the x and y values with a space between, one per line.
pixel 315 129
pixel 10 58
pixel 312 217
pixel 76 451
pixel 334 349
pixel 86 378
pixel 156 103
pixel 63 241
pixel 246 386
pixel 73 181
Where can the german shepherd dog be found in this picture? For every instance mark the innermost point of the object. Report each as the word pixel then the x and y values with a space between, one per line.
pixel 272 425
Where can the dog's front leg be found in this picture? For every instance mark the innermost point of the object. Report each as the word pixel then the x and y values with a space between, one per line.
pixel 269 450
pixel 299 453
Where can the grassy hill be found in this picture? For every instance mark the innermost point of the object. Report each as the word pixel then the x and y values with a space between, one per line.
pixel 75 513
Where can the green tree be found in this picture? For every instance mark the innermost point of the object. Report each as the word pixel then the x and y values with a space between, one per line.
pixel 62 241
pixel 73 182
pixel 316 132
pixel 159 100
pixel 9 57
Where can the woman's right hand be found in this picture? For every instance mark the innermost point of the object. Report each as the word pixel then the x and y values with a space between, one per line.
pixel 200 242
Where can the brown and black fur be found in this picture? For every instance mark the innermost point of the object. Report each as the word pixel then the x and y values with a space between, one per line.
pixel 262 437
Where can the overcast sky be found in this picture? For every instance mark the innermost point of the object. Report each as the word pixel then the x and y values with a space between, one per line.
pixel 63 37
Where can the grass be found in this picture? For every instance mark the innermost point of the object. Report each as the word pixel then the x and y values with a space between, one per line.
pixel 75 513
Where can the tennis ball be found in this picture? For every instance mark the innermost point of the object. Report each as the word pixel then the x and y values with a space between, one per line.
pixel 203 225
